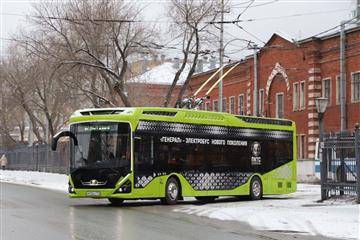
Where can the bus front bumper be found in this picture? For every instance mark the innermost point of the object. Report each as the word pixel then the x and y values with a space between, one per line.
pixel 98 193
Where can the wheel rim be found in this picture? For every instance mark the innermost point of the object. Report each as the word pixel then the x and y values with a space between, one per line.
pixel 256 188
pixel 172 191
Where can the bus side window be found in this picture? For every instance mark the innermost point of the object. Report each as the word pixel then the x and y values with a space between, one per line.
pixel 142 153
pixel 137 142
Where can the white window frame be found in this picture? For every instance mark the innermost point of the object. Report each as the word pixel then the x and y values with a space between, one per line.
pixel 215 105
pixel 353 88
pixel 302 148
pixel 232 106
pixel 337 83
pixel 207 106
pixel 247 99
pixel 296 96
pixel 302 96
pixel 243 104
pixel 261 101
pixel 323 89
pixel 277 105
pixel 224 105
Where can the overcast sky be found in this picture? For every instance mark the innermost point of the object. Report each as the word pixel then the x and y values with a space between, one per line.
pixel 313 16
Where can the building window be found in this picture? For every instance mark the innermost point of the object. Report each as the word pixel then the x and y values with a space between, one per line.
pixel 356 87
pixel 232 105
pixel 248 110
pixel 326 87
pixel 215 106
pixel 302 147
pixel 224 105
pixel 296 97
pixel 279 105
pixel 207 106
pixel 302 95
pixel 261 102
pixel 200 107
pixel 338 89
pixel 241 109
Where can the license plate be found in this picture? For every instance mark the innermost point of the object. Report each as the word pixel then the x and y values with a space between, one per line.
pixel 92 194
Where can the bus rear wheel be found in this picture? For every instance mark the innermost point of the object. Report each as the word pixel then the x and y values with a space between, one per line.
pixel 116 201
pixel 172 192
pixel 256 190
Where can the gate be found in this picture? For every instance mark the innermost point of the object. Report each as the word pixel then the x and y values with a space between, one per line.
pixel 340 164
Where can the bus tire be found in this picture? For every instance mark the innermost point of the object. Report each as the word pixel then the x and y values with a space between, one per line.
pixel 116 201
pixel 256 190
pixel 172 192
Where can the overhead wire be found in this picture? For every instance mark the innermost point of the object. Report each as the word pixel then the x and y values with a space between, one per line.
pixel 259 5
pixel 335 27
pixel 247 7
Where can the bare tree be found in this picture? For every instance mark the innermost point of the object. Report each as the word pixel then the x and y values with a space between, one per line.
pixel 103 35
pixel 34 86
pixel 192 18
pixel 16 76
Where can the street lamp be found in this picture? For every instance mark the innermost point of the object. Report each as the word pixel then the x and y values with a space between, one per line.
pixel 321 104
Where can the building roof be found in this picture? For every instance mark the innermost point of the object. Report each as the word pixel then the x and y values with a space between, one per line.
pixel 164 74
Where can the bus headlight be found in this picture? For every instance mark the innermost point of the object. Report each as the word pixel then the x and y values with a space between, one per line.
pixel 125 188
pixel 71 189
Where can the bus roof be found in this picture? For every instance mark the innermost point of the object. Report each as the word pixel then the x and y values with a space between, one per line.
pixel 183 116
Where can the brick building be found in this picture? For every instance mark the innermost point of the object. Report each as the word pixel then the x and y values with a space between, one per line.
pixel 291 75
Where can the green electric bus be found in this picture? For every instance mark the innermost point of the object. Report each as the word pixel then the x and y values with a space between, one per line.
pixel 168 153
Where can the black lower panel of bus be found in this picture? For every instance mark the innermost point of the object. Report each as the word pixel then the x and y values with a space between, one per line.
pixel 96 177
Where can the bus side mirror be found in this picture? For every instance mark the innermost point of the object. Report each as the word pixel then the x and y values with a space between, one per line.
pixel 60 135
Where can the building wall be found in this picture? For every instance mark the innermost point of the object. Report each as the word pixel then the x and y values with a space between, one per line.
pixel 151 95
pixel 283 64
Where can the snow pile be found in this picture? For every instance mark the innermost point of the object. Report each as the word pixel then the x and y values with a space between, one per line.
pixel 40 179
pixel 294 213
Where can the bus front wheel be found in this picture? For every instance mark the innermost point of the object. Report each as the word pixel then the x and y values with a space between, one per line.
pixel 116 201
pixel 256 188
pixel 172 192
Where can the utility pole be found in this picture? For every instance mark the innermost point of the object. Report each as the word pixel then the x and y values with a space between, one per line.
pixel 342 79
pixel 221 56
pixel 256 105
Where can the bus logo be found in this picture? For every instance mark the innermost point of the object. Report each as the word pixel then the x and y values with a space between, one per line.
pixel 93 182
pixel 255 150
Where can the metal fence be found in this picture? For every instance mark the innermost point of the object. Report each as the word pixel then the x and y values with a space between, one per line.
pixel 340 164
pixel 37 158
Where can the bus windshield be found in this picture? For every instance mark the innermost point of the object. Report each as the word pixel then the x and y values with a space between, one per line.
pixel 101 145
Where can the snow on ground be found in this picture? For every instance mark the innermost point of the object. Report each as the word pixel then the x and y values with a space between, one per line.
pixel 39 179
pixel 299 212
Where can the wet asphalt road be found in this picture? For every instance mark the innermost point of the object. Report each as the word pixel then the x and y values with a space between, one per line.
pixel 34 213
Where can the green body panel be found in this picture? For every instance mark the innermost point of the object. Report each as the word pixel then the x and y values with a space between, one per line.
pixel 279 181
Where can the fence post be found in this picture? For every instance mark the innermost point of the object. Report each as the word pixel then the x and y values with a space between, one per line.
pixel 323 166
pixel 357 156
